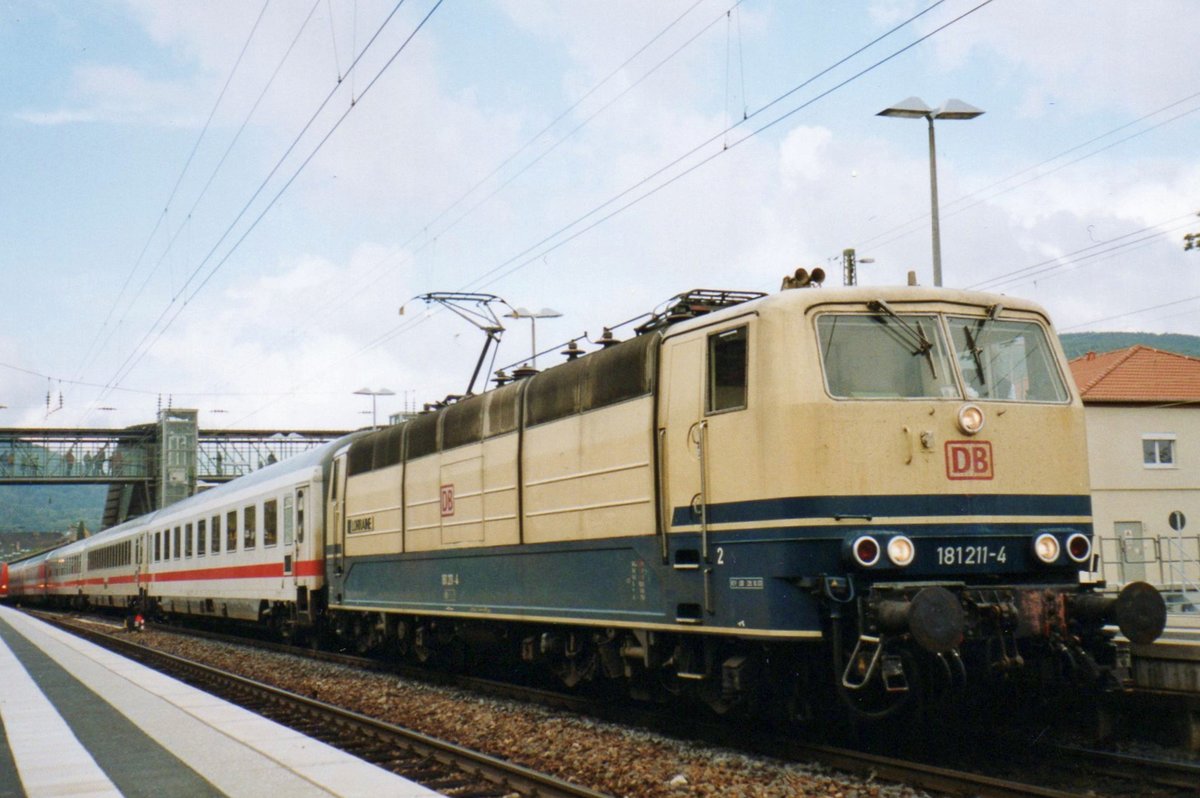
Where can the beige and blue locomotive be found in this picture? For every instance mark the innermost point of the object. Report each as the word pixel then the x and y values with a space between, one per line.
pixel 861 492
pixel 873 486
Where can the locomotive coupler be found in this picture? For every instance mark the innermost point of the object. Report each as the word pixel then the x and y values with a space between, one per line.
pixel 1138 610
pixel 934 617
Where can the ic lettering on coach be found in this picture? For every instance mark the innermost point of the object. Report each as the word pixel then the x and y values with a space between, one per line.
pixel 969 460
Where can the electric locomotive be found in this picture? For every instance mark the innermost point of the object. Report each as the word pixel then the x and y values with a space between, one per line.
pixel 868 493
pixel 868 489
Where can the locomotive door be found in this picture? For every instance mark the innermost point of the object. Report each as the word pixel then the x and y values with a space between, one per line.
pixel 705 386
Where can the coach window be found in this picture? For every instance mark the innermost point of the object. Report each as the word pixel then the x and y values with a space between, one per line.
pixel 216 534
pixel 300 516
pixel 249 526
pixel 201 537
pixel 289 525
pixel 231 531
pixel 157 546
pixel 166 533
pixel 727 361
pixel 178 547
pixel 187 541
pixel 270 522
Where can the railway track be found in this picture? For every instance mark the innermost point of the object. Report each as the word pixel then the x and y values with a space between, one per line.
pixel 1184 776
pixel 422 758
pixel 436 764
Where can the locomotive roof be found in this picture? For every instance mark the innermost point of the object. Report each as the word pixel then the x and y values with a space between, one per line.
pixel 810 297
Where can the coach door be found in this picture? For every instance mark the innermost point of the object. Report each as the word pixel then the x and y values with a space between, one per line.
pixel 335 526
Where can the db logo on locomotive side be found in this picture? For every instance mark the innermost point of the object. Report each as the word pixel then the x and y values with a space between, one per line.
pixel 969 460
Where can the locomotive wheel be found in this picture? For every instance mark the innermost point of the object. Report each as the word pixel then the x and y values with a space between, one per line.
pixel 578 668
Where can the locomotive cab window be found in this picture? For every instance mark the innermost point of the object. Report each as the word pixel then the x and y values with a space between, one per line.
pixel 885 356
pixel 1006 360
pixel 727 362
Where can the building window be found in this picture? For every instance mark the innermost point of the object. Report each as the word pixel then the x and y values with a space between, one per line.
pixel 1158 451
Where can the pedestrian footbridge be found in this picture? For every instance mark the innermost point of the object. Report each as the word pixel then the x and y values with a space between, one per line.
pixel 147 466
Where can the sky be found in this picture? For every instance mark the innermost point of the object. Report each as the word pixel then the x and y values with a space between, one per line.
pixel 224 205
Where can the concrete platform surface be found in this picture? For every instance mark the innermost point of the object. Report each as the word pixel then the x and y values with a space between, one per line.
pixel 77 720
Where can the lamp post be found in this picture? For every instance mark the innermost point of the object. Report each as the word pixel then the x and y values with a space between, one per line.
pixel 373 395
pixel 533 316
pixel 915 108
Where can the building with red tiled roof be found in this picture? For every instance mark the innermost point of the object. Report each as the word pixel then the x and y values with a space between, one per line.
pixel 1143 420
pixel 1137 375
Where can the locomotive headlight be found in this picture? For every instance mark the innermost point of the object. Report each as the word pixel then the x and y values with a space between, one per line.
pixel 1046 547
pixel 865 551
pixel 970 419
pixel 901 551
pixel 1079 548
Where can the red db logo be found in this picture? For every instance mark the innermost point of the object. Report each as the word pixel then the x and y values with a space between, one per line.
pixel 969 460
pixel 447 500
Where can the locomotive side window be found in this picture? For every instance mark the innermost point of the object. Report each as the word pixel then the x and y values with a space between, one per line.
pixel 271 522
pixel 885 356
pixel 727 360
pixel 1006 360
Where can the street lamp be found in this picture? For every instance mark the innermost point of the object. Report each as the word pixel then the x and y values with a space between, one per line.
pixel 915 108
pixel 533 316
pixel 373 395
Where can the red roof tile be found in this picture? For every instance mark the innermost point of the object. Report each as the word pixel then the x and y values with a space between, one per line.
pixel 1137 374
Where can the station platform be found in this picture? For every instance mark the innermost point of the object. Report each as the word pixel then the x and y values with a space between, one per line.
pixel 77 720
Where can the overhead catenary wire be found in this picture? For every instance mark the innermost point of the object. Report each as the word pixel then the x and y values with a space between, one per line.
pixel 144 346
pixel 174 190
pixel 520 260
pixel 220 164
pixel 431 231
pixel 163 323
pixel 536 251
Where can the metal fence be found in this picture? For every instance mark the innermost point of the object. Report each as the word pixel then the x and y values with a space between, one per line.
pixel 1170 562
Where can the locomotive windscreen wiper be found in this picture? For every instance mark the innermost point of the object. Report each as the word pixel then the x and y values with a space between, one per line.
pixel 973 340
pixel 914 333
